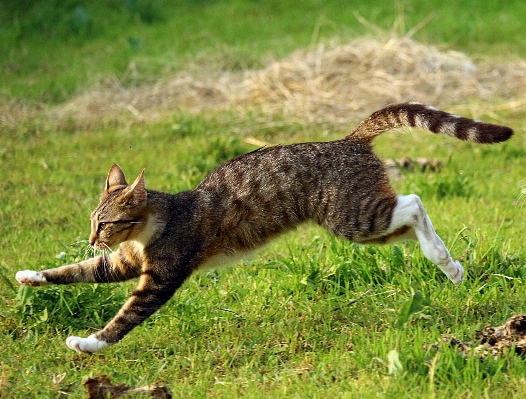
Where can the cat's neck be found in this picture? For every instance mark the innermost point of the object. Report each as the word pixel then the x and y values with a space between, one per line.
pixel 164 209
pixel 154 221
pixel 153 226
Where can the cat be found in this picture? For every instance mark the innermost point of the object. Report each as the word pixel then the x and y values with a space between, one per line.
pixel 341 185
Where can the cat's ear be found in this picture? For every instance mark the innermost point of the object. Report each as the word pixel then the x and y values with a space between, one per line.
pixel 115 177
pixel 136 193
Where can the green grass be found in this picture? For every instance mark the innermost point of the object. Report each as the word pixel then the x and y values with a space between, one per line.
pixel 55 49
pixel 310 316
pixel 280 324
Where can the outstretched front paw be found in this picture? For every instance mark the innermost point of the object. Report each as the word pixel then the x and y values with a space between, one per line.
pixel 32 278
pixel 89 345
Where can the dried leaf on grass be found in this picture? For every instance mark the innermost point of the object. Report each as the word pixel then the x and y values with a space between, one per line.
pixel 102 388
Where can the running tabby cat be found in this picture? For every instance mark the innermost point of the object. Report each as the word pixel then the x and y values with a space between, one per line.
pixel 341 185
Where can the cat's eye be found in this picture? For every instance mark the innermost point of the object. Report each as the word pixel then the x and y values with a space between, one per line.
pixel 103 225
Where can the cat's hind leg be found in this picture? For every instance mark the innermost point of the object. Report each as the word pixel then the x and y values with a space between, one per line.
pixel 410 212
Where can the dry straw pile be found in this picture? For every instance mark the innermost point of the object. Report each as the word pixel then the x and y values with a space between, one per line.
pixel 330 84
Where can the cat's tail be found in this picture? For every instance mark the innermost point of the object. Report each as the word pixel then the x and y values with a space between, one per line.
pixel 421 116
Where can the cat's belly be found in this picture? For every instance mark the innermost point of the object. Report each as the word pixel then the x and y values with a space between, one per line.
pixel 223 259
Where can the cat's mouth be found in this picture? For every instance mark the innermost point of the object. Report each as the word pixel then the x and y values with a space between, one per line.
pixel 101 246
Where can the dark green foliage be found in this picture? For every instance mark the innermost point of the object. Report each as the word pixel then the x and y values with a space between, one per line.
pixel 85 20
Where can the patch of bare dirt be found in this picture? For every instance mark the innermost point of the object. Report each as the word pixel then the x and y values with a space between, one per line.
pixel 495 341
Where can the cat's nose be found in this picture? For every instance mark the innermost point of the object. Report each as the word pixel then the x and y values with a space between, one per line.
pixel 92 240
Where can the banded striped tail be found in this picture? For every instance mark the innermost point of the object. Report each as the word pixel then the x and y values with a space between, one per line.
pixel 421 116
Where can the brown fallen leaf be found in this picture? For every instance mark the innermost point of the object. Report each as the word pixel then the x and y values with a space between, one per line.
pixel 102 388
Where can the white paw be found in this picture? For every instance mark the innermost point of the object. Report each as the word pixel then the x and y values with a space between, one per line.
pixel 455 272
pixel 90 344
pixel 32 278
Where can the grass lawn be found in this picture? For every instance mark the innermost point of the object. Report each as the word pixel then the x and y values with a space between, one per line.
pixel 310 316
pixel 55 49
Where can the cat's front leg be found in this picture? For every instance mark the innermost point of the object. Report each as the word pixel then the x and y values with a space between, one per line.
pixel 31 278
pixel 83 272
pixel 154 289
pixel 87 345
pixel 102 269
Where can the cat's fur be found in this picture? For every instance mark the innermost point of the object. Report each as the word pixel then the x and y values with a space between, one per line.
pixel 341 185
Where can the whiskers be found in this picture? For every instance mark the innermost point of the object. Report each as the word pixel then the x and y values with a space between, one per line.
pixel 104 273
pixel 93 251
pixel 84 251
pixel 106 248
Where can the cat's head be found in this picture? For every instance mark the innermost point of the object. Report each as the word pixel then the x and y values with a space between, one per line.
pixel 121 212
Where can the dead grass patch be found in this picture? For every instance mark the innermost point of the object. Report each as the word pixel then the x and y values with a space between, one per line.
pixel 330 84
